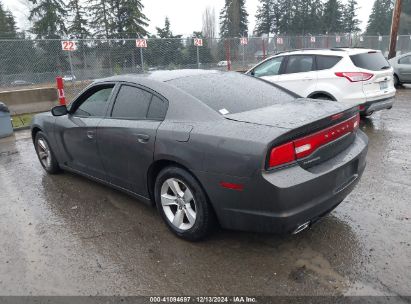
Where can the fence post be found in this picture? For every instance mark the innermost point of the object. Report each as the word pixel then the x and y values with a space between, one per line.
pixel 71 67
pixel 198 58
pixel 263 48
pixel 60 90
pixel 142 59
pixel 227 53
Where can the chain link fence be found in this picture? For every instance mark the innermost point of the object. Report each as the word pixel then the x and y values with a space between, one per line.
pixel 36 63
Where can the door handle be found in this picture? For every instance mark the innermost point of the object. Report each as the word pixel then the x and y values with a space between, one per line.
pixel 90 134
pixel 143 138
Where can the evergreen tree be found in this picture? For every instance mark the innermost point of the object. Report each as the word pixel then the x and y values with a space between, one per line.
pixel 285 10
pixel 8 28
pixel 79 26
pixel 233 19
pixel 405 23
pixel 264 17
pixel 350 19
pixel 380 19
pixel 190 53
pixel 129 21
pixel 101 23
pixel 48 18
pixel 168 51
pixel 332 17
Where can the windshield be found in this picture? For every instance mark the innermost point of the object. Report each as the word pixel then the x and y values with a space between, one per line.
pixel 229 93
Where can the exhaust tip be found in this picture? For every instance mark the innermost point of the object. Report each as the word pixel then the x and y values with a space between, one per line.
pixel 302 227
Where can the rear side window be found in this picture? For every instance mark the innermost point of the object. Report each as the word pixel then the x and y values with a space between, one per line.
pixel 131 103
pixel 299 64
pixel 373 61
pixel 229 93
pixel 157 110
pixel 327 62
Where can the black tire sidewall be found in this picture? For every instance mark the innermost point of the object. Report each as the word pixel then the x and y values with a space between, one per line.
pixel 204 216
pixel 54 168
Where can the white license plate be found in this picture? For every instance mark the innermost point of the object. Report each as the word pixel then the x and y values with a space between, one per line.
pixel 384 85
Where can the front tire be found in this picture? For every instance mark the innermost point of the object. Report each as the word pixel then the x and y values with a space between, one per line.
pixel 183 204
pixel 397 82
pixel 46 156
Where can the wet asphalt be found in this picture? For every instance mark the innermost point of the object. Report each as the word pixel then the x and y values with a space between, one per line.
pixel 66 235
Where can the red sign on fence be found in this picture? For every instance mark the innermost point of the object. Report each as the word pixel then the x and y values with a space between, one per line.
pixel 338 39
pixel 141 43
pixel 244 41
pixel 69 45
pixel 312 39
pixel 198 42
pixel 280 40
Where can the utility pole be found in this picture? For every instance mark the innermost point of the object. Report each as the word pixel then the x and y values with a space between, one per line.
pixel 394 29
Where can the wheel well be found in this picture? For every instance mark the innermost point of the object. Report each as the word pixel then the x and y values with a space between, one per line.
pixel 318 95
pixel 34 132
pixel 155 169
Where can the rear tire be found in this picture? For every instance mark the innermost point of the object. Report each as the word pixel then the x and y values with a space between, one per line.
pixel 183 204
pixel 46 156
pixel 322 97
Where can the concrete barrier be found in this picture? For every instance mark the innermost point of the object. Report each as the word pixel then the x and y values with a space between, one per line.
pixel 29 100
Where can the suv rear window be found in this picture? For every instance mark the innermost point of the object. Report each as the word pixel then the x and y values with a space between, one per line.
pixel 327 62
pixel 373 61
pixel 230 93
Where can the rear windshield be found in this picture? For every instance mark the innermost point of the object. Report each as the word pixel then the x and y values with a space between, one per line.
pixel 373 61
pixel 230 93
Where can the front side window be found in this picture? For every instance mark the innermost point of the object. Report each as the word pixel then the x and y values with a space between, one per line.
pixel 405 60
pixel 269 68
pixel 95 104
pixel 299 64
pixel 131 103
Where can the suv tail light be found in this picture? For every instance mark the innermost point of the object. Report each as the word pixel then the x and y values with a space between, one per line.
pixel 300 148
pixel 355 76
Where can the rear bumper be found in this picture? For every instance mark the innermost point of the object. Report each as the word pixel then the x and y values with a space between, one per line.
pixel 281 201
pixel 376 105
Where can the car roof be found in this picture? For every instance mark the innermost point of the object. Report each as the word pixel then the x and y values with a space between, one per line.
pixel 159 76
pixel 330 52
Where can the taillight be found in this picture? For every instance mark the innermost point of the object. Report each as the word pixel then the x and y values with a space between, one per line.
pixel 300 148
pixel 282 155
pixel 355 76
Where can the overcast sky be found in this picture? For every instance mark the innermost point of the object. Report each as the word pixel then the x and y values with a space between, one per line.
pixel 185 15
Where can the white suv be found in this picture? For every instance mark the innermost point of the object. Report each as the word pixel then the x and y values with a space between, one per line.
pixel 352 76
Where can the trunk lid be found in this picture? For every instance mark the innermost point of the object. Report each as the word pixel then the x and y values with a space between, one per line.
pixel 290 115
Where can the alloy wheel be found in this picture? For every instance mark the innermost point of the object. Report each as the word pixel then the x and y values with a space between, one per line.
pixel 44 153
pixel 178 204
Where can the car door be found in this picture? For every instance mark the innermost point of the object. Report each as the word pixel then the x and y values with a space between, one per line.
pixel 77 130
pixel 269 70
pixel 299 75
pixel 404 68
pixel 126 137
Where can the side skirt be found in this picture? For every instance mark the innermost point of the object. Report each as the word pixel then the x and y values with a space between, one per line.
pixel 145 200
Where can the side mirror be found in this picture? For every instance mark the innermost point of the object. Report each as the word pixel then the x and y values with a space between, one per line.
pixel 252 73
pixel 59 111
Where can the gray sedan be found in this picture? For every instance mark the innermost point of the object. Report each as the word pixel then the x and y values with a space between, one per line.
pixel 402 69
pixel 209 148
